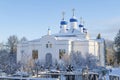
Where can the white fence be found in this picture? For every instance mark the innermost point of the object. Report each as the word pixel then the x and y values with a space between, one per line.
pixel 23 78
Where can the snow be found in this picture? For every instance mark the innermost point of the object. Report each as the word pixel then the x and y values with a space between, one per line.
pixel 115 71
pixel 11 78
pixel 19 73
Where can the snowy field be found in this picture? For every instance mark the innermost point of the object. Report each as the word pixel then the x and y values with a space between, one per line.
pixel 114 72
pixel 18 78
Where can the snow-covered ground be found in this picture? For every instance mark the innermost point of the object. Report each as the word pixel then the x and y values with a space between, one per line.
pixel 113 72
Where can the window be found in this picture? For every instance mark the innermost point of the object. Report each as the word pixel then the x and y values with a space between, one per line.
pixel 61 53
pixel 48 45
pixel 35 54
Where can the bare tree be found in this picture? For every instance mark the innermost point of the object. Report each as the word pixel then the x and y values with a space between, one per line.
pixel 79 60
pixel 3 59
pixel 8 62
pixel 12 43
pixel 66 59
pixel 23 39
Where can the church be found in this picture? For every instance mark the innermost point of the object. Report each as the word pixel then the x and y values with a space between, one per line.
pixel 50 47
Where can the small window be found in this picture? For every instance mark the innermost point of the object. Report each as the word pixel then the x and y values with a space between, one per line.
pixel 35 54
pixel 50 45
pixel 46 45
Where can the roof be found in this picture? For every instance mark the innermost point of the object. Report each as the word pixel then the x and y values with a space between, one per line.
pixel 73 19
pixel 63 22
pixel 35 40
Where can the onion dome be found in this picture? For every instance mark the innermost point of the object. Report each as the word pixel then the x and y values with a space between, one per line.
pixel 81 25
pixel 63 22
pixel 84 29
pixel 73 19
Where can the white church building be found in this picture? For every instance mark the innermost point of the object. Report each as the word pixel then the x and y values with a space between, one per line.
pixel 72 37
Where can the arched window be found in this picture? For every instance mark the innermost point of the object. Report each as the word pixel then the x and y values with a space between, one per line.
pixel 46 45
pixel 50 45
pixel 35 54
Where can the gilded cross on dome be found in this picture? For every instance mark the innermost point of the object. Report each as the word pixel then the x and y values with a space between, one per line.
pixel 73 11
pixel 63 14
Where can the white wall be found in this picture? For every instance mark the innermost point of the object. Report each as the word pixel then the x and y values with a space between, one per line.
pixel 93 47
pixel 83 46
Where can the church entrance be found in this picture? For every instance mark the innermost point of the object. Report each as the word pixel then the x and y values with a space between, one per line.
pixel 48 59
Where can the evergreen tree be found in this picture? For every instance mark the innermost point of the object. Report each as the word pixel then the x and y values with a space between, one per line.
pixel 99 36
pixel 117 45
pixel 117 41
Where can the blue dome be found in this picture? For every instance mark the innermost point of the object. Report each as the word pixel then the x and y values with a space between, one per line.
pixel 80 25
pixel 84 29
pixel 63 22
pixel 73 20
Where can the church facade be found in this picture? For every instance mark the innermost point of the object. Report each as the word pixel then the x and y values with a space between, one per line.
pixel 49 47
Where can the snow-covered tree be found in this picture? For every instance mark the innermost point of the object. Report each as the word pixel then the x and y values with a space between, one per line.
pixel 78 60
pixel 12 43
pixel 23 39
pixel 117 41
pixel 117 45
pixel 3 59
pixel 91 61
pixel 1 46
pixel 66 59
pixel 8 62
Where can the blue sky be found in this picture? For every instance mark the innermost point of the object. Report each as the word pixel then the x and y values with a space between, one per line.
pixel 31 18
